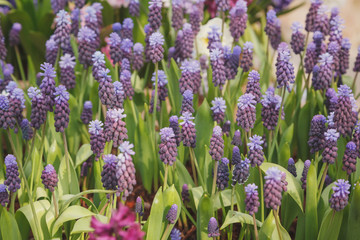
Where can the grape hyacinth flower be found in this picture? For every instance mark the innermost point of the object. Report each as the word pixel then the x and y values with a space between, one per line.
pixel 213 228
pixel 357 62
pixel 126 50
pixel 75 17
pixel 115 44
pixel 324 76
pixel 330 121
pixel 138 58
pixel 97 138
pixel 304 173
pixel 271 104
pixel 125 64
pixel 87 45
pixel 226 127
pixel 86 166
pixel 214 37
pixel 126 169
pixel 252 198
pixel 3 50
pixel 7 119
pixel 185 195
pixel 232 61
pixel 4 195
pixel 177 52
pixel 273 187
pixel 175 234
pixel 297 42
pixel 336 26
pixel 127 29
pixel 310 57
pixel 167 147
pixel 98 63
pixel 115 128
pixel 188 131
pixel 148 31
pixel 62 31
pixel 273 29
pixel 236 141
pixel 49 177
pixel 187 102
pixel 291 167
pixel 316 133
pixel 12 173
pixel 16 103
pixel 349 159
pixel 318 37
pixel 344 55
pixel 125 79
pixel 27 131
pixel 156 47
pixel 241 172
pixel 67 71
pixel 108 174
pixel 329 154
pixel 186 79
pixel 38 107
pixel 247 56
pixel 139 207
pixel 7 70
pixel 284 69
pixel 333 50
pixel 222 179
pixel 311 15
pixel 321 22
pixel 356 137
pixel 253 85
pixel 246 114
pixel 106 88
pixel 174 124
pixel 238 19
pixel 218 66
pixel 196 17
pixel 57 5
pixel 62 110
pixel 14 35
pixel 236 156
pixel 340 197
pixel 86 115
pixel 47 85
pixel 177 14
pixel 256 154
pixel 116 27
pixel 345 117
pixel 222 5
pixel 187 41
pixel 154 17
pixel 218 109
pixel 91 21
pixel 162 81
pixel 172 214
pixel 216 144
pixel 134 8
pixel 119 95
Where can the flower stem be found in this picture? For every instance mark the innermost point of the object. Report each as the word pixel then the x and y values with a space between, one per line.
pixel 55 205
pixel 214 180
pixel 67 157
pixel 232 208
pixel 154 125
pixel 22 73
pixel 255 227
pixel 277 221
pixel 354 82
pixel 12 204
pixel 261 194
pixel 166 176
pixel 167 230
pixel 192 159
pixel 323 180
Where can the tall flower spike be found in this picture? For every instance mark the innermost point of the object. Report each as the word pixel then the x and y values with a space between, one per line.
pixel 14 35
pixel 7 119
pixel 156 47
pixel 247 56
pixel 126 50
pixel 329 154
pixel 127 29
pixel 336 26
pixel 91 21
pixel 139 207
pixel 154 16
pixel 38 107
pixel 186 79
pixel 297 42
pixel 340 197
pixel 108 174
pixel 185 193
pixel 86 115
pixel 273 188
pixel 310 57
pixel 218 66
pixel 51 50
pixel 344 55
pixel 318 38
pixel 324 75
pixel 214 36
pixel 134 8
pixel 252 198
pixel 236 156
pixel 126 170
pixel 321 22
pixel 236 141
pixel 316 133
pixel 216 144
pixel 187 102
pixel 27 131
pixel 241 172
pixel 12 173
pixel 62 110
pixel 7 70
pixel 222 5
pixel 115 128
pixel 349 159
pixel 187 41
pixel 304 173
pixel 67 71
pixel 291 167
pixel 48 85
pixel 226 127
pixel 256 154
pixel 232 62
pixel 115 44
pixel 87 45
pixel 222 179
pixel 97 138
pixel 75 17
pixel 253 85
pixel 213 228
pixel 311 15
pixel 3 50
pixel 138 58
pixel 98 63
pixel 162 81
pixel 356 137
pixel 167 147
pixel 218 109
pixel 188 131
pixel 125 79
pixel 4 195
pixel 284 68
pixel 106 88
pixel 271 104
pixel 357 62
pixel 174 124
pixel 172 214
pixel 273 29
pixel 175 234
pixel 177 14
pixel 196 17
pixel 62 31
pixel 238 19
pixel 49 177
pixel 119 95
pixel 334 51
pixel 16 104
pixel 116 27
pixel 246 113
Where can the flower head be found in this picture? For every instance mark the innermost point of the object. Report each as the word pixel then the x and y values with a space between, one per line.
pixel 166 133
pixel 219 105
pixel 4 102
pixel 156 39
pixel 341 188
pixel 98 58
pixel 67 61
pixel 273 173
pixel 255 142
pixel 162 78
pixel 10 160
pixel 62 17
pixel 95 127
pixel 61 94
pixel 331 135
pixel 49 70
pixel 246 100
pixel 127 148
pixel 187 119
pixel 114 39
pixel 86 34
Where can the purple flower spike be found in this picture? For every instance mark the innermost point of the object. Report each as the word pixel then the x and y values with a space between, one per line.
pixel 87 45
pixel 125 172
pixel 172 214
pixel 139 207
pixel 273 29
pixel 187 102
pixel 186 79
pixel 106 88
pixel 214 36
pixel 27 131
pixel 167 147
pixel 330 150
pixel 134 8
pixel 162 81
pixel 4 195
pixel 174 124
pixel 126 49
pixel 175 234
pixel 218 66
pixel 216 144
pixel 125 79
pixel 62 110
pixel 356 136
pixel 357 62
pixel 316 133
pixel 188 131
pixel 238 19
pixel 336 26
pixel 7 120
pixel 271 104
pixel 115 44
pixel 273 187
pixel 222 5
pixel 297 38
pixel 291 167
pixel 321 22
pixel 119 95
pixel 177 14
pixel 67 71
pixel 231 61
pixel 115 128
pixel 62 31
pixel 97 138
pixel 311 15
pixel 304 174
pixel 154 17
pixel 49 177
pixel 196 17
pixel 38 107
pixel 108 174
pixel 187 41
pixel 246 113
pixel 127 29
pixel 213 228
pixel 98 63
pixel 310 57
pixel 349 159
pixel 86 115
pixel 138 56
pixel 12 173
pixel 253 85
pixel 75 17
pixel 284 68
pixel 241 172
pixel 340 197
pixel 185 193
pixel 236 156
pixel 344 55
pixel 236 141
pixel 14 35
pixel 256 154
pixel 324 75
pixel 222 179
pixel 334 51
pixel 218 109
pixel 252 198
pixel 3 50
pixel 48 85
pixel 156 47
pixel 247 57
pixel 226 127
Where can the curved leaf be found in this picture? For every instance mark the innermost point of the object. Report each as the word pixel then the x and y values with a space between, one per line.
pixel 8 225
pixel 83 224
pixel 83 154
pixel 204 213
pixel 311 217
pixel 66 186
pixel 239 217
pixel 156 217
pixel 330 226
pixel 354 215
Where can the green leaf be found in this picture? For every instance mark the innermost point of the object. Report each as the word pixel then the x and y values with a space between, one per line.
pixel 293 187
pixel 303 131
pixel 71 213
pixel 330 226
pixel 239 217
pixel 66 186
pixel 83 224
pixel 83 154
pixel 8 225
pixel 289 210
pixel 183 175
pixel 156 217
pixel 171 196
pixel 354 215
pixel 267 227
pixel 311 218
pixel 204 213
